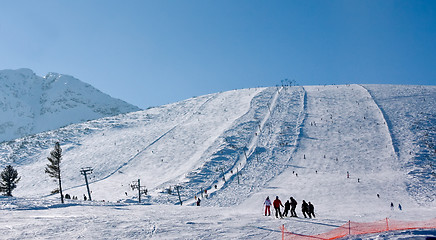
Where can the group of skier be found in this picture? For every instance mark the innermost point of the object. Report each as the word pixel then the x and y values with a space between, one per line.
pixel 290 205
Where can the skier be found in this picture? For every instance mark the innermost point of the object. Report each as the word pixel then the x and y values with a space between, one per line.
pixel 277 203
pixel 287 208
pixel 198 202
pixel 267 204
pixel 293 205
pixel 311 210
pixel 305 208
pixel 399 207
pixel 392 206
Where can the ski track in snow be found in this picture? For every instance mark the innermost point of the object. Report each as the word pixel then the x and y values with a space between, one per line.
pixel 411 111
pixel 386 122
pixel 242 158
pixel 256 173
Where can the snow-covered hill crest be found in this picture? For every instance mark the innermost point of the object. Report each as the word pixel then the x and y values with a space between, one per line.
pixel 351 150
pixel 258 132
pixel 31 104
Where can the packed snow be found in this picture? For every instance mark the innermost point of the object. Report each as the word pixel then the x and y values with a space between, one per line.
pixel 339 147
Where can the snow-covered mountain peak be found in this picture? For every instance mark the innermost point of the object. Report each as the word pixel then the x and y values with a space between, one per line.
pixel 63 83
pixel 53 77
pixel 30 104
pixel 24 72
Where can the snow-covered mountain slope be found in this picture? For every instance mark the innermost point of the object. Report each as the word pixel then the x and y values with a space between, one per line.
pixel 244 145
pixel 346 131
pixel 411 117
pixel 31 104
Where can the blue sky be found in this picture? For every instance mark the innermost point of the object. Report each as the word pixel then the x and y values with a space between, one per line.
pixel 150 53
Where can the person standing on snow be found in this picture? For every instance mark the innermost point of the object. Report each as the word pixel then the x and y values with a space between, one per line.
pixel 311 210
pixel 277 203
pixel 287 208
pixel 293 206
pixel 305 208
pixel 267 204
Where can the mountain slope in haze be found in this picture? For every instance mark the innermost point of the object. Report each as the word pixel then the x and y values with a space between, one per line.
pixel 31 104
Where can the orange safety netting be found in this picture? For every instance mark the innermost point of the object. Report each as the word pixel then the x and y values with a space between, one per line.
pixel 356 228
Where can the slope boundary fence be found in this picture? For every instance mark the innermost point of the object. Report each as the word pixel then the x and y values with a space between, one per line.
pixel 357 228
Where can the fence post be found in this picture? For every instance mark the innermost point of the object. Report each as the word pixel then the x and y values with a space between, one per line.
pixel 349 227
pixel 387 224
pixel 283 232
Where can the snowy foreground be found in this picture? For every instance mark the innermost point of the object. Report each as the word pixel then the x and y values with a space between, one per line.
pixel 36 219
pixel 291 141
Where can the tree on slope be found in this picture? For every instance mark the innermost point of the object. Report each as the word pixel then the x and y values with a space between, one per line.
pixel 54 168
pixel 9 180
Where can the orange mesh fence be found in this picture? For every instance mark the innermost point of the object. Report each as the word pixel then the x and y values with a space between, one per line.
pixel 356 228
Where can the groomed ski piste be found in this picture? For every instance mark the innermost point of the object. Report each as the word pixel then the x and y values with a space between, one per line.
pixel 241 146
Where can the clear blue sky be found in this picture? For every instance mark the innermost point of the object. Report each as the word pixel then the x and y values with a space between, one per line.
pixel 150 53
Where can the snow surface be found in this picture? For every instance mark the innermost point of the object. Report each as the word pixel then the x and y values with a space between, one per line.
pixel 31 104
pixel 278 141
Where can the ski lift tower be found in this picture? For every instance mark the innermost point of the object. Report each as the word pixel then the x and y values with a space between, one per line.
pixel 85 171
pixel 141 189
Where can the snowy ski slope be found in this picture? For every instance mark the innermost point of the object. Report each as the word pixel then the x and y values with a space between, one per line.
pixel 278 141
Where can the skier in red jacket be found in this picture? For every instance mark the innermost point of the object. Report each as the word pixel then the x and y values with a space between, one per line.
pixel 277 203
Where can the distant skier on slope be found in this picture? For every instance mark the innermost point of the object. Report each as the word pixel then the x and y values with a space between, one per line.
pixel 277 203
pixel 311 210
pixel 287 208
pixel 198 201
pixel 305 208
pixel 267 204
pixel 293 206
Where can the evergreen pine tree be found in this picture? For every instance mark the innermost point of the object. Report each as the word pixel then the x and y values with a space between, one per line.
pixel 9 180
pixel 54 168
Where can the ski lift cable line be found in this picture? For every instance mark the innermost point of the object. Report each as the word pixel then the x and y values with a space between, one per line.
pixel 193 113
